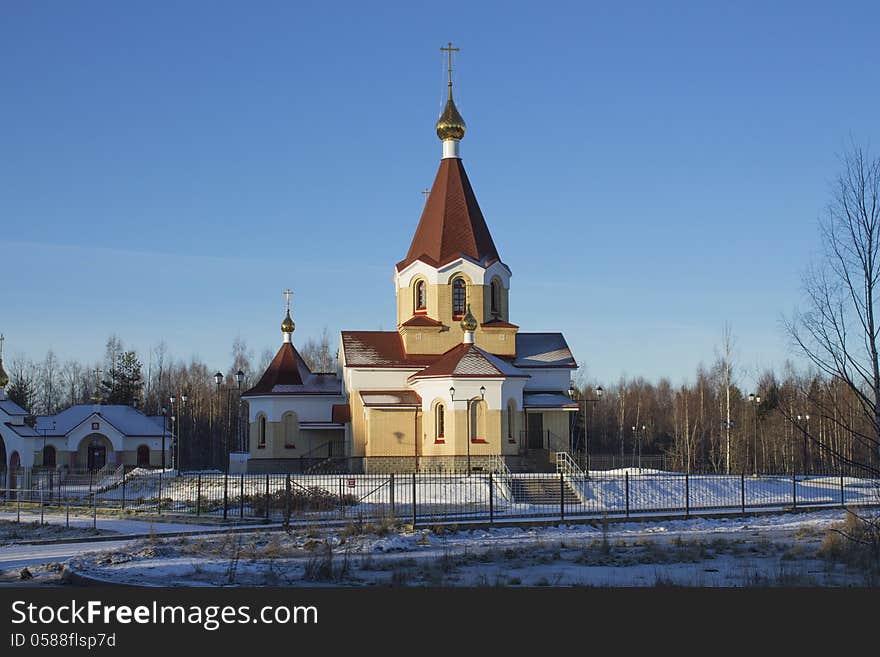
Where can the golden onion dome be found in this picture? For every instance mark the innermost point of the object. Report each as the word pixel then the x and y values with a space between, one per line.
pixel 450 125
pixel 287 326
pixel 469 322
pixel 4 377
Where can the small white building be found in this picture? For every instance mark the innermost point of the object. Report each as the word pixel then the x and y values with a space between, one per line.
pixel 82 437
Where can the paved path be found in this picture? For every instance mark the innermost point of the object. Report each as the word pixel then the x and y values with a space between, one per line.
pixel 119 525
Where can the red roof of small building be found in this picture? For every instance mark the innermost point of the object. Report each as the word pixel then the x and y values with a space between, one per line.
pixel 288 374
pixel 452 224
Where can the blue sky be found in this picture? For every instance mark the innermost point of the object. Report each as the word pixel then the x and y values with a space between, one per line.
pixel 649 170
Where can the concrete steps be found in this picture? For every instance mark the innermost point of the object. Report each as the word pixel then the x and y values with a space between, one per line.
pixel 542 490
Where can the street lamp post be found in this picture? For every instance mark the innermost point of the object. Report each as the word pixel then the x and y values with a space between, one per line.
pixel 805 418
pixel 183 398
pixel 637 440
pixel 471 429
pixel 164 417
pixel 218 380
pixel 571 393
pixel 172 399
pixel 239 379
pixel 755 400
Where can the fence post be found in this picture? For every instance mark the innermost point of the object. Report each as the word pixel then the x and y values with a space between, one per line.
pixel 95 511
pixel 287 501
pixel 742 491
pixel 241 497
pixel 491 501
pixel 199 496
pixel 687 495
pixel 627 494
pixel 123 489
pixel 391 495
pixel 67 519
pixel 267 497
pixel 18 497
pixel 794 491
pixel 561 497
pixel 159 498
pixel 225 494
pixel 842 496
pixel 414 499
pixel 42 513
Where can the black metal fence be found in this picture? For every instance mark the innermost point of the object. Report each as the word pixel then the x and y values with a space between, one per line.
pixel 423 498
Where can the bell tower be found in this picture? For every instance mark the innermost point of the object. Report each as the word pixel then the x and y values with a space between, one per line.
pixel 452 262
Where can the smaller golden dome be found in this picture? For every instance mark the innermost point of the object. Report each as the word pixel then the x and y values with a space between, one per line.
pixel 4 377
pixel 450 125
pixel 287 326
pixel 469 322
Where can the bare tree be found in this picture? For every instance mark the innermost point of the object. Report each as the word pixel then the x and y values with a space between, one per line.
pixel 838 331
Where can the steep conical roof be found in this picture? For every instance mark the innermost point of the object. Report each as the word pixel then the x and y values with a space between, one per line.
pixel 452 224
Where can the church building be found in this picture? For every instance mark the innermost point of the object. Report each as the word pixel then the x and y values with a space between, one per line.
pixel 457 386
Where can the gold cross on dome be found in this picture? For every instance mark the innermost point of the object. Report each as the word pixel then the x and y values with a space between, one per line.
pixel 448 49
pixel 287 294
pixel 2 340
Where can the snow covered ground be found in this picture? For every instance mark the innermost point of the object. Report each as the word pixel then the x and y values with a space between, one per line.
pixel 782 549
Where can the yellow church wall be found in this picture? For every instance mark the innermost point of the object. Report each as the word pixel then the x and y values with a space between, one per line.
pixel 393 432
pixel 311 443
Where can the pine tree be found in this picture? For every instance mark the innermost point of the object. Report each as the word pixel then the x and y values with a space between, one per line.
pixel 125 382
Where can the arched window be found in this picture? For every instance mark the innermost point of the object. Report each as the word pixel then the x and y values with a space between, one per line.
pixel 495 300
pixel 477 421
pixel 289 422
pixel 143 456
pixel 440 422
pixel 48 456
pixel 261 433
pixel 459 296
pixel 421 296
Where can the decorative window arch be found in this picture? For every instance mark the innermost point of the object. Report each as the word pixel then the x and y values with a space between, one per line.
pixel 459 296
pixel 495 297
pixel 439 423
pixel 143 456
pixel 477 421
pixel 48 456
pixel 289 424
pixel 420 295
pixel 261 432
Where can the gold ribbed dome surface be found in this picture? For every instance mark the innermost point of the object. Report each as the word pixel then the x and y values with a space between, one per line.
pixel 469 322
pixel 287 326
pixel 4 377
pixel 450 125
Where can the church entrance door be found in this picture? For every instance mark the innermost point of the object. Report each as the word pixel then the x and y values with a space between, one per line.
pixel 97 455
pixel 535 423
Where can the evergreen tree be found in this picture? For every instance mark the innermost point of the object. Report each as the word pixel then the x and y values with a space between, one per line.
pixel 125 381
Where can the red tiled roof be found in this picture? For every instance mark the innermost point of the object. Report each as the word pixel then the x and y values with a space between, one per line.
pixel 468 360
pixel 288 374
pixel 403 398
pixel 422 321
pixel 452 224
pixel 380 349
